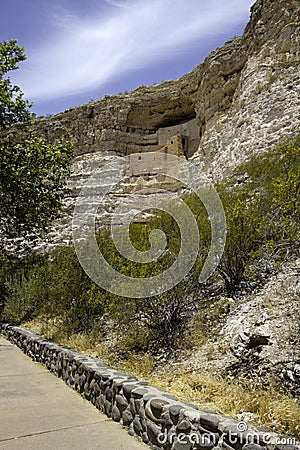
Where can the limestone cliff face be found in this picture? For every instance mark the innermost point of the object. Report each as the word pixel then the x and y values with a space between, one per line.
pixel 265 107
pixel 244 97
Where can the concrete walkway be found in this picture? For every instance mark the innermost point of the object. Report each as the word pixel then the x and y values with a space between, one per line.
pixel 39 412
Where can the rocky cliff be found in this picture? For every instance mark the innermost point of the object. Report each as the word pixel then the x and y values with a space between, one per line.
pixel 244 98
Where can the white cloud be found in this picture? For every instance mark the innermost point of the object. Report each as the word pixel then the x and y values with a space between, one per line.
pixel 83 54
pixel 115 3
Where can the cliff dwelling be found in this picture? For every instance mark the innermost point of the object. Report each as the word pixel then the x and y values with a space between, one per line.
pixel 187 136
pixel 181 140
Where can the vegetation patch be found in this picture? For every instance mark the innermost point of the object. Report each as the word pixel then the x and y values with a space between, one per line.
pixel 261 201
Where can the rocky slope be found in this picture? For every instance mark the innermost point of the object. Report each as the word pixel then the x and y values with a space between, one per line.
pixel 259 335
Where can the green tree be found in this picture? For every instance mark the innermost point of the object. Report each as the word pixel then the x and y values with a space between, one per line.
pixel 33 171
pixel 13 107
pixel 32 183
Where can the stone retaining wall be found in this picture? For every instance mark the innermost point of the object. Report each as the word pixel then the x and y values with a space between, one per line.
pixel 148 412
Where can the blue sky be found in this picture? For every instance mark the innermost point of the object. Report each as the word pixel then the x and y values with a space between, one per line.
pixel 80 50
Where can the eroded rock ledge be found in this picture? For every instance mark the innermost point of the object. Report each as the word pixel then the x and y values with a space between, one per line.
pixel 149 412
pixel 223 84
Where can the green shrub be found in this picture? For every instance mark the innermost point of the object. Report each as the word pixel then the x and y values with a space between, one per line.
pixel 19 305
pixel 262 206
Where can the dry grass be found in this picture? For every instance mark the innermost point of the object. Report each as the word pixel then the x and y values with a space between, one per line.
pixel 49 329
pixel 269 405
pixel 141 366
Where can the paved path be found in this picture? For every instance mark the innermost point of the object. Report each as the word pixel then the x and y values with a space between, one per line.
pixel 39 412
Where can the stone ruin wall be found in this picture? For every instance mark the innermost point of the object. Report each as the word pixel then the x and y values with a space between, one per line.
pixel 190 132
pixel 179 140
